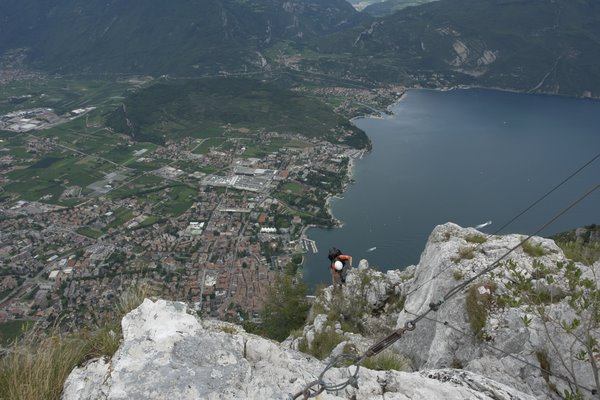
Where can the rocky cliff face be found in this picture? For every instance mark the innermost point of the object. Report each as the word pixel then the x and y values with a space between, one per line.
pixel 525 324
pixel 169 353
pixel 511 335
pixel 529 304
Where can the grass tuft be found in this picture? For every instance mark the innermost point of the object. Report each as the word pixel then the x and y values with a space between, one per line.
pixel 457 275
pixel 533 250
pixel 37 367
pixel 478 306
pixel 544 361
pixel 464 253
pixel 322 344
pixel 38 370
pixel 479 239
pixel 231 329
pixel 585 253
pixel 387 361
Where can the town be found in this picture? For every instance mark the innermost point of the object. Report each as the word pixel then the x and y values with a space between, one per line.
pixel 207 221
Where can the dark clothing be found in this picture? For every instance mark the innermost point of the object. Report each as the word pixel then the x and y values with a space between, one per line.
pixel 339 277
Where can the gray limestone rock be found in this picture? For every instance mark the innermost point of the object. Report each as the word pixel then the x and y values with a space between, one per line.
pixel 168 353
pixel 517 341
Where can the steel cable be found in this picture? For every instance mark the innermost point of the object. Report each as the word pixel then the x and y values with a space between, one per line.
pixel 563 378
pixel 410 325
pixel 536 202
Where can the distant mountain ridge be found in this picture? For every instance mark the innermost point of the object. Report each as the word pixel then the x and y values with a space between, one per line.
pixel 528 45
pixel 158 37
pixel 387 7
pixel 539 46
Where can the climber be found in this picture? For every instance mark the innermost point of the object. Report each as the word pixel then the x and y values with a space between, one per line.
pixel 338 266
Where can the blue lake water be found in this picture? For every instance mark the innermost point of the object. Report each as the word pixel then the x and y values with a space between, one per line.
pixel 465 156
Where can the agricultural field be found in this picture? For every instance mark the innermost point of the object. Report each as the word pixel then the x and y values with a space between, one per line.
pixel 48 163
pixel 293 187
pixel 121 216
pixel 88 157
pixel 62 95
pixel 254 150
pixel 90 232
pixel 202 146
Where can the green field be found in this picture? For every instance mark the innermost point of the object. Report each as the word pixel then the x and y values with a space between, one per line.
pixel 144 186
pixel 90 232
pixel 206 144
pixel 151 220
pixel 49 176
pixel 262 149
pixel 14 145
pixel 210 170
pixel 180 199
pixel 62 95
pixel 293 187
pixel 121 216
pixel 81 151
pixel 170 199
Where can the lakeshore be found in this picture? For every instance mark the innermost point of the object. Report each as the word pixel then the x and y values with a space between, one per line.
pixel 443 156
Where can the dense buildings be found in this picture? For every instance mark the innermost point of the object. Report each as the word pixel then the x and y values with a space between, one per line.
pixel 211 228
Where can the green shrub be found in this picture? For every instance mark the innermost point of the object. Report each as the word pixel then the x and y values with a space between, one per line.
pixel 231 329
pixel 533 250
pixel 285 308
pixel 350 309
pixel 585 253
pixel 322 344
pixel 539 297
pixel 544 361
pixel 464 253
pixel 477 306
pixel 457 275
pixel 386 361
pixel 395 302
pixel 251 327
pixel 37 367
pixel 475 238
pixel 540 271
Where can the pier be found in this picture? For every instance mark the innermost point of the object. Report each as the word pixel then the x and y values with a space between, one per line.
pixel 309 244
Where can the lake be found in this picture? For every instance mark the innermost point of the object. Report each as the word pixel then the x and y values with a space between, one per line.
pixel 464 156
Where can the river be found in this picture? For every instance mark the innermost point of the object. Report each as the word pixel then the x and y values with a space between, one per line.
pixel 466 156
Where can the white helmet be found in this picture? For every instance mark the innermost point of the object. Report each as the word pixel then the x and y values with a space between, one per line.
pixel 338 265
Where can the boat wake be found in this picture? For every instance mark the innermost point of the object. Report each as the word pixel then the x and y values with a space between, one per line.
pixel 483 225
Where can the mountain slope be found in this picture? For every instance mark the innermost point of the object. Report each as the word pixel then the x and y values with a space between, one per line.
pixel 529 45
pixel 183 108
pixel 153 36
pixel 541 46
pixel 530 323
pixel 391 6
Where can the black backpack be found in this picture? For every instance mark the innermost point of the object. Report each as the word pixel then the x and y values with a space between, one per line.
pixel 334 253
